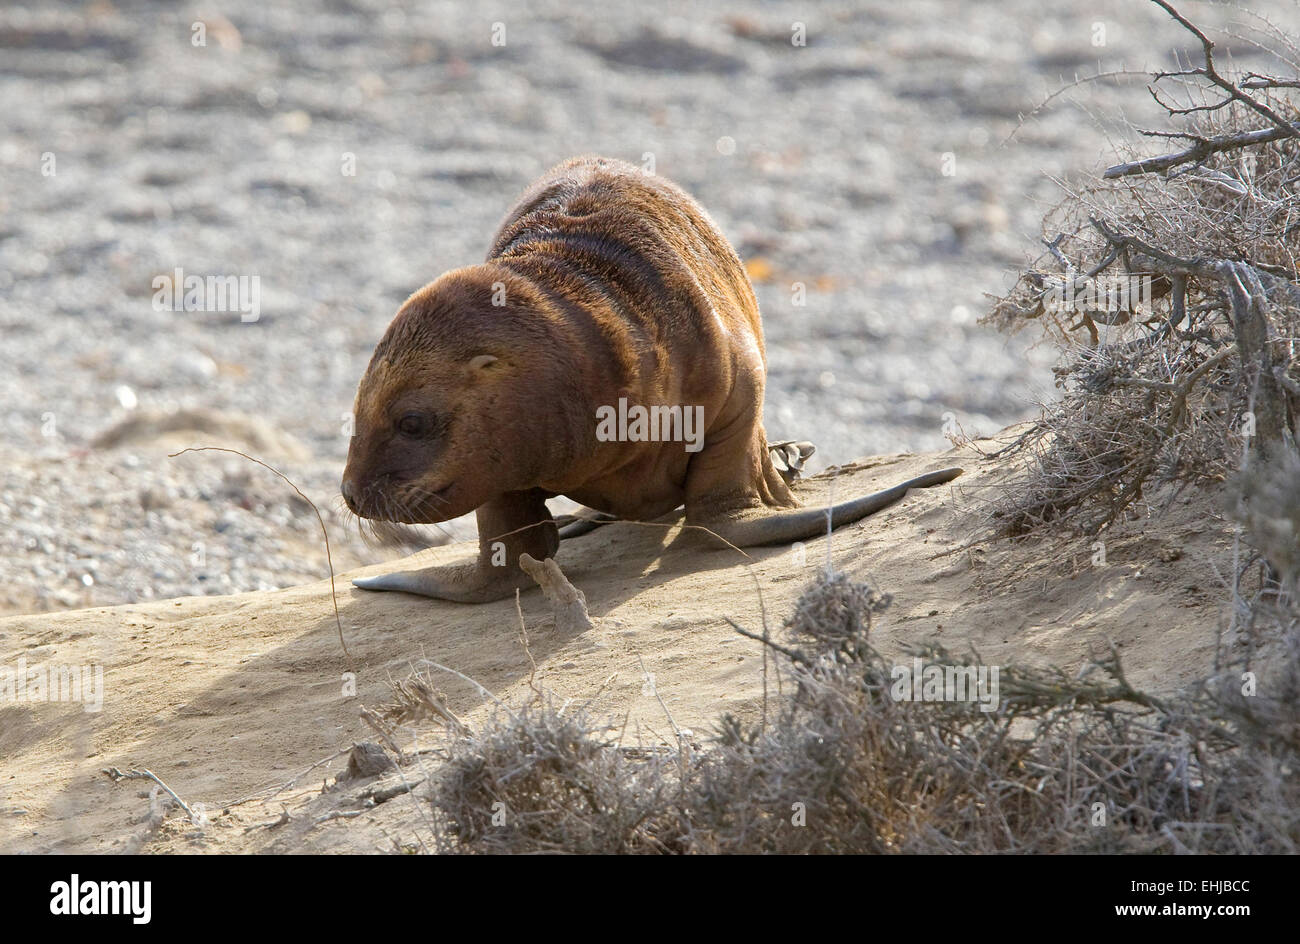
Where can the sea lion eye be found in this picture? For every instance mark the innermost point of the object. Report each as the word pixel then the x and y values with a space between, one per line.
pixel 414 425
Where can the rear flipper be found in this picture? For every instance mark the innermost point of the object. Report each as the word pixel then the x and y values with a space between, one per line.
pixel 758 527
pixel 511 524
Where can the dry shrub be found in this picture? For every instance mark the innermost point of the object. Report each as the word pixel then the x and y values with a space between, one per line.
pixel 1172 287
pixel 1066 763
pixel 541 780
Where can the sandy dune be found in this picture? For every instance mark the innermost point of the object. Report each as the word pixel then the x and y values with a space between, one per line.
pixel 231 697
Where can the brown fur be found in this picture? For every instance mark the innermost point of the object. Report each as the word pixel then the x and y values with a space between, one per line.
pixel 615 284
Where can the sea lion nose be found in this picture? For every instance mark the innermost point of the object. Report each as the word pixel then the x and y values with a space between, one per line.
pixel 349 494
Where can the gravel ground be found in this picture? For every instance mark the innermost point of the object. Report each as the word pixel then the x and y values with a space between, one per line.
pixel 823 163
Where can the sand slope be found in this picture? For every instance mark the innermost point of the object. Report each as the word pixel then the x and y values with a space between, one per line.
pixel 225 697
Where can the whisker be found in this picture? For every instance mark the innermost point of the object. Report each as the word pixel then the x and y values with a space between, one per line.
pixel 423 494
pixel 386 529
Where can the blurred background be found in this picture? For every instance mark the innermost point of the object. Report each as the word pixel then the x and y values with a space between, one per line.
pixel 348 152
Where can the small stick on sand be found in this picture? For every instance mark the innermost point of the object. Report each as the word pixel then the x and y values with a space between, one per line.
pixel 116 775
pixel 569 602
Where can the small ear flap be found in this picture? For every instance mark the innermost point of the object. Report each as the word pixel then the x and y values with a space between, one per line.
pixel 482 360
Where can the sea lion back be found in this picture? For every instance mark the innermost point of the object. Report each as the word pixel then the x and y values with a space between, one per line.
pixel 606 226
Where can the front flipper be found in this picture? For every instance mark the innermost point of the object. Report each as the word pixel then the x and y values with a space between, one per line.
pixel 516 523
pixel 463 583
pixel 757 527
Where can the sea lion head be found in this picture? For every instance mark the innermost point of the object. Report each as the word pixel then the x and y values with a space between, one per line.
pixel 447 414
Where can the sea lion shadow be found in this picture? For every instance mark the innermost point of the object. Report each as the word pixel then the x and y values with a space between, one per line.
pixel 625 559
pixel 296 698
pixel 263 722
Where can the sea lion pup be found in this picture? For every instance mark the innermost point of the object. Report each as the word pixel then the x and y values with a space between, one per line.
pixel 610 350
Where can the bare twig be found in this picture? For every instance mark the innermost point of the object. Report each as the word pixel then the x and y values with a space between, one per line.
pixel 328 558
pixel 1200 151
pixel 116 775
pixel 1209 71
